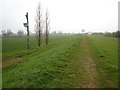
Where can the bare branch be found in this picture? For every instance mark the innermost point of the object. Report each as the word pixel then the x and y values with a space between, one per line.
pixel 39 24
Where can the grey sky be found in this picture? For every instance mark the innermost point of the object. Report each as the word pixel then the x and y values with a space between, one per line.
pixel 65 15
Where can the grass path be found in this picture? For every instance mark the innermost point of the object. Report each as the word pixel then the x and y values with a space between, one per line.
pixel 82 69
pixel 8 63
pixel 90 71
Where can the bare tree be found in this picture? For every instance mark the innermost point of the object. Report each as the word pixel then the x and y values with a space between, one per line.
pixel 3 33
pixel 9 33
pixel 83 30
pixel 47 27
pixel 39 24
pixel 20 33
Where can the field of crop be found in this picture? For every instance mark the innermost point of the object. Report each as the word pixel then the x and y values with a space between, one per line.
pixel 85 61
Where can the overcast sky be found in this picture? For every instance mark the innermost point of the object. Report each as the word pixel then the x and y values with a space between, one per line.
pixel 65 15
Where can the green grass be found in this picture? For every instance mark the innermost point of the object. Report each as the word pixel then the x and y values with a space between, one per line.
pixel 45 67
pixel 59 64
pixel 105 53
pixel 14 47
pixel 16 44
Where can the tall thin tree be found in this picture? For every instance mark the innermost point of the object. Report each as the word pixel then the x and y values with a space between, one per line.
pixel 47 27
pixel 38 26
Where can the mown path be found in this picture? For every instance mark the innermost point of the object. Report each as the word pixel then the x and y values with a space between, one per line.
pixel 90 71
pixel 82 69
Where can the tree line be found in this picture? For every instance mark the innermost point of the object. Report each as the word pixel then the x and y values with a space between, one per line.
pixel 8 33
pixel 113 34
pixel 109 34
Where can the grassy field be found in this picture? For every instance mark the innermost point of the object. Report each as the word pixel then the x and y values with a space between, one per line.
pixel 105 51
pixel 65 62
pixel 13 45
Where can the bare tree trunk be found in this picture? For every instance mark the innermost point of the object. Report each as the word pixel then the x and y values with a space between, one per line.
pixel 47 32
pixel 39 36
pixel 38 26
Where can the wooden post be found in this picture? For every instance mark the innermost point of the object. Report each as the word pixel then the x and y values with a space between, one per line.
pixel 27 30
